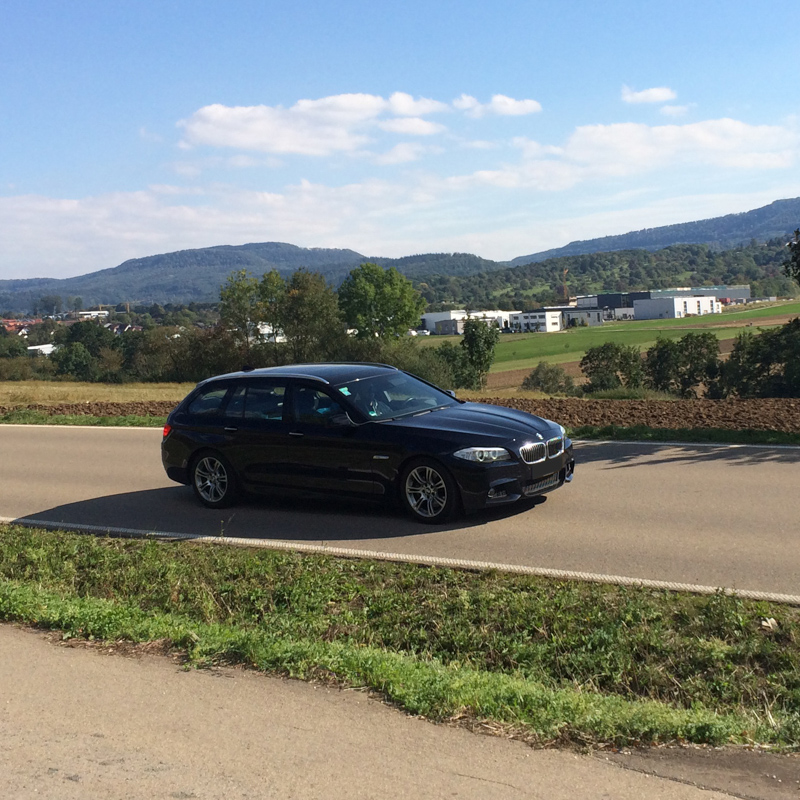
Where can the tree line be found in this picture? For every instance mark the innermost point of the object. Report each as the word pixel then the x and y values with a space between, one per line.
pixel 263 322
pixel 763 364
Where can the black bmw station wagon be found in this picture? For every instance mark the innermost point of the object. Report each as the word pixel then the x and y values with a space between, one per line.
pixel 360 430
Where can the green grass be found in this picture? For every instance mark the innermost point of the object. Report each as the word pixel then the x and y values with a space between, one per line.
pixel 518 351
pixel 26 416
pixel 552 661
pixel 641 433
pixel 570 345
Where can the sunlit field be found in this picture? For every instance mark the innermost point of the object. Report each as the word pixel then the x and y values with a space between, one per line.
pixel 52 392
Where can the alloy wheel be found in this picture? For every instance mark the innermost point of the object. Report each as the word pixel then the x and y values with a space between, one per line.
pixel 211 479
pixel 426 492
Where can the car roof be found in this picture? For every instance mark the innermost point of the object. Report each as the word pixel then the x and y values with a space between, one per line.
pixel 331 373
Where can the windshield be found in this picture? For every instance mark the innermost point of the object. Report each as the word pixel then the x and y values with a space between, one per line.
pixel 394 395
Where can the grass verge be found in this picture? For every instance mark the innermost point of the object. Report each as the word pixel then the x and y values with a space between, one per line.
pixel 27 416
pixel 641 433
pixel 550 661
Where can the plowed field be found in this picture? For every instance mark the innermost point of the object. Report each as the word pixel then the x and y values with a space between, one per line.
pixel 768 414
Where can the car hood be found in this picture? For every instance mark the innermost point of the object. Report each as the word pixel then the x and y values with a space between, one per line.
pixel 482 419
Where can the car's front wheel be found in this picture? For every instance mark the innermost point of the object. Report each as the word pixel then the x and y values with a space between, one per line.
pixel 428 491
pixel 214 481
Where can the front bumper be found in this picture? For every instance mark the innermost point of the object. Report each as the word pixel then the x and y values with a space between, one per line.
pixel 507 482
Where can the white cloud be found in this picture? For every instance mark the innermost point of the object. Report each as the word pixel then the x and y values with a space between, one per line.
pixel 499 105
pixel 630 147
pixel 405 105
pixel 414 126
pixel 660 94
pixel 674 111
pixel 628 150
pixel 335 124
pixel 401 153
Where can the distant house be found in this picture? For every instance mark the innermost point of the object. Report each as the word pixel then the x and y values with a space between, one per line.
pixel 41 349
pixel 92 314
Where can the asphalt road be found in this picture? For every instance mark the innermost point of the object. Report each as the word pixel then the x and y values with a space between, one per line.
pixel 716 516
pixel 77 723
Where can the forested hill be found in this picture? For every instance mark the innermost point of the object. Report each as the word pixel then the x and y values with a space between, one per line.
pixel 681 265
pixel 196 275
pixel 775 220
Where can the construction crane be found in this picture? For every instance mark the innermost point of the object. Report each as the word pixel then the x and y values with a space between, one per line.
pixel 564 288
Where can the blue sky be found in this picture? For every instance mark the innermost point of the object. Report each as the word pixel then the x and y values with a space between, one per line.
pixel 132 127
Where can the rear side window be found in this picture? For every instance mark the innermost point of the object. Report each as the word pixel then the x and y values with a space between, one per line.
pixel 264 402
pixel 208 403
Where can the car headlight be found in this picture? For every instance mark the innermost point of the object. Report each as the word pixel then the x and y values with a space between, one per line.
pixel 483 455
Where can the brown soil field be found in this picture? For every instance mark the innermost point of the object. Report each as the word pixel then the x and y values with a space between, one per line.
pixel 761 414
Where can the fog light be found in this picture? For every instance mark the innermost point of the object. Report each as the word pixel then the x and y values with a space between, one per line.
pixel 496 494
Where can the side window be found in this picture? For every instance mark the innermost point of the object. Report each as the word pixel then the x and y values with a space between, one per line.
pixel 264 401
pixel 209 402
pixel 313 406
pixel 235 407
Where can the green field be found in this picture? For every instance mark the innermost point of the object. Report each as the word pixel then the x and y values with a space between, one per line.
pixel 519 351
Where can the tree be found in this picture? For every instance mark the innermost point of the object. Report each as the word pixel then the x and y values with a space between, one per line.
pixel 75 360
pixel 51 304
pixel 698 361
pixel 763 365
pixel 310 317
pixel 241 309
pixel 792 264
pixel 93 336
pixel 679 367
pixel 478 343
pixel 550 379
pixel 612 365
pixel 272 293
pixel 379 302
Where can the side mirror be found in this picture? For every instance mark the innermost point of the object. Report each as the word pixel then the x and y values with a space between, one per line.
pixel 450 392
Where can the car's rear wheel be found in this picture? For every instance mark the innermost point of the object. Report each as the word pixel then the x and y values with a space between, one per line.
pixel 214 481
pixel 428 491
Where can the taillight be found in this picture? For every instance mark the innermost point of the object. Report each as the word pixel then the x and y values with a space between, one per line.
pixel 167 429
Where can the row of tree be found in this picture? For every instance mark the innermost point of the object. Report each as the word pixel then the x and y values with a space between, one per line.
pixel 764 364
pixel 266 322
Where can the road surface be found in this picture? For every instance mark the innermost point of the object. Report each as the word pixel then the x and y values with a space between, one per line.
pixel 715 516
pixel 77 723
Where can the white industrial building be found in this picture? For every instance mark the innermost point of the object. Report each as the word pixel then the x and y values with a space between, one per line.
pixel 542 321
pixel 450 322
pixel 676 307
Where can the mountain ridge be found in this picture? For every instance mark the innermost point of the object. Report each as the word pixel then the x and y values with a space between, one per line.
pixel 184 276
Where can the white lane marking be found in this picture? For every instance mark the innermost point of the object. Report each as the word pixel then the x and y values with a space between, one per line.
pixel 433 561
pixel 731 445
pixel 82 427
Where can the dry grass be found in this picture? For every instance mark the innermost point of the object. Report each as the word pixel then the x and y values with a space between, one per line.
pixel 54 392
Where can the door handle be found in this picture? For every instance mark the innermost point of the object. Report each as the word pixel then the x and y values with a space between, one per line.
pixel 231 430
pixel 296 433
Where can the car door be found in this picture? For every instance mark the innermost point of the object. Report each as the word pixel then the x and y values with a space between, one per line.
pixel 255 421
pixel 325 452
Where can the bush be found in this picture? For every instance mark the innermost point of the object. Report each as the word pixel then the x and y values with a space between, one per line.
pixel 550 379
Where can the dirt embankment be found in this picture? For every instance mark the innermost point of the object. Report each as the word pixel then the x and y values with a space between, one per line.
pixel 140 408
pixel 762 414
pixel 767 414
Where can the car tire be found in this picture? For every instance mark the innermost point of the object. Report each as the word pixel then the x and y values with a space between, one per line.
pixel 214 481
pixel 428 491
